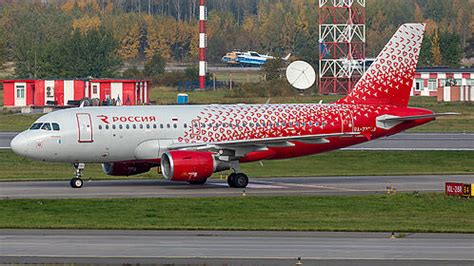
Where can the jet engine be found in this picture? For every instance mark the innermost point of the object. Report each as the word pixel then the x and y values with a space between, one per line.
pixel 190 166
pixel 125 169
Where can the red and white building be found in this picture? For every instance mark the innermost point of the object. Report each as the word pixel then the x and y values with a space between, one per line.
pixel 448 84
pixel 22 93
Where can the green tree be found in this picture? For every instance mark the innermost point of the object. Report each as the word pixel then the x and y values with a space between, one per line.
pixel 272 68
pixel 81 55
pixel 425 52
pixel 155 66
pixel 3 53
pixel 451 51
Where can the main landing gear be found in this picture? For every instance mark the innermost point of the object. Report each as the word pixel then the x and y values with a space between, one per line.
pixel 77 182
pixel 238 180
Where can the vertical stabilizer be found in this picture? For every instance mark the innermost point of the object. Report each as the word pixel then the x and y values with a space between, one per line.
pixel 390 78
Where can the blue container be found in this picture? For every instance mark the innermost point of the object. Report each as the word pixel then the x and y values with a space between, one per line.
pixel 183 98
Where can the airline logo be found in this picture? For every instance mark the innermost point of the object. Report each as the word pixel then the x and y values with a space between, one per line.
pixel 127 119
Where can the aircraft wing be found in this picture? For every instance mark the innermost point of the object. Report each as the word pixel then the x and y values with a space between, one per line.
pixel 258 144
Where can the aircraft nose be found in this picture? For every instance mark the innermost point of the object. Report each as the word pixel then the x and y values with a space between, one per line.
pixel 19 145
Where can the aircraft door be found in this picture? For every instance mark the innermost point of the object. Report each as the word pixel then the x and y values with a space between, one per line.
pixel 84 127
pixel 347 121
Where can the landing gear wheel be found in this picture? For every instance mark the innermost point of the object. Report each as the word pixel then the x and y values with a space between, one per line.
pixel 231 180
pixel 200 182
pixel 76 183
pixel 238 180
pixel 241 180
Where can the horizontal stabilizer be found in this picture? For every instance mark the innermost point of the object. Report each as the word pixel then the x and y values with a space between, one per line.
pixel 414 117
pixel 389 121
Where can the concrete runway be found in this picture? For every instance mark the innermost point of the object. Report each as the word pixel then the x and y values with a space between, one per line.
pixel 233 248
pixel 348 185
pixel 400 142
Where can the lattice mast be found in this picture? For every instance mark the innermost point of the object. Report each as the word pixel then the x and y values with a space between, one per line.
pixel 342 45
pixel 202 44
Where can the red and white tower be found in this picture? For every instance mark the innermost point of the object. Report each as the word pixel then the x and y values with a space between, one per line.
pixel 341 45
pixel 202 45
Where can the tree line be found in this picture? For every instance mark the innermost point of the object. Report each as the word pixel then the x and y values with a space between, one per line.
pixel 77 38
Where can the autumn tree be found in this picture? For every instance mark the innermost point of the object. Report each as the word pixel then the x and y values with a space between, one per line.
pixel 436 50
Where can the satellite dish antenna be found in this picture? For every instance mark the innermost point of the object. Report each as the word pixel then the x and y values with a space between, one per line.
pixel 300 75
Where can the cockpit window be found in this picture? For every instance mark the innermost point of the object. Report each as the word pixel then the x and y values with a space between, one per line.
pixel 46 126
pixel 55 126
pixel 36 126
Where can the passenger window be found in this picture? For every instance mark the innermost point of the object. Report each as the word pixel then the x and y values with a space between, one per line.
pixel 114 127
pixel 36 126
pixel 134 126
pixel 185 125
pixel 120 127
pixel 141 126
pixel 100 127
pixel 168 125
pixel 107 127
pixel 127 126
pixel 175 126
pixel 155 126
pixel 46 126
pixel 55 126
pixel 162 126
pixel 283 124
pixel 148 126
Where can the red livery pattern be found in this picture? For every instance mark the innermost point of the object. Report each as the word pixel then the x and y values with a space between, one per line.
pixel 221 123
pixel 390 78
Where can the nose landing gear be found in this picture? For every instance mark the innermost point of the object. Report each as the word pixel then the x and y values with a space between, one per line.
pixel 77 182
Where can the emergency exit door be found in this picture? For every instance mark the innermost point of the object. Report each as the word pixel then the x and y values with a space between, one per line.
pixel 84 127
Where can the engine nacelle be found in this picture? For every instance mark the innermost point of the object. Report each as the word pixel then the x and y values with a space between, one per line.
pixel 190 166
pixel 125 169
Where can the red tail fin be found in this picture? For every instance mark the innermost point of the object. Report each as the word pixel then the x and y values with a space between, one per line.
pixel 390 78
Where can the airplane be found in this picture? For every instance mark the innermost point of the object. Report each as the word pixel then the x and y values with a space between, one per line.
pixel 249 58
pixel 190 143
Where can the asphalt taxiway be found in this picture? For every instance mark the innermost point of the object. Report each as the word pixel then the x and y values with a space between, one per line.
pixel 233 248
pixel 336 185
pixel 399 142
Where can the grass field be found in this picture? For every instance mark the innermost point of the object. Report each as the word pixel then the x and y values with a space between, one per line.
pixel 460 123
pixel 400 213
pixel 339 163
